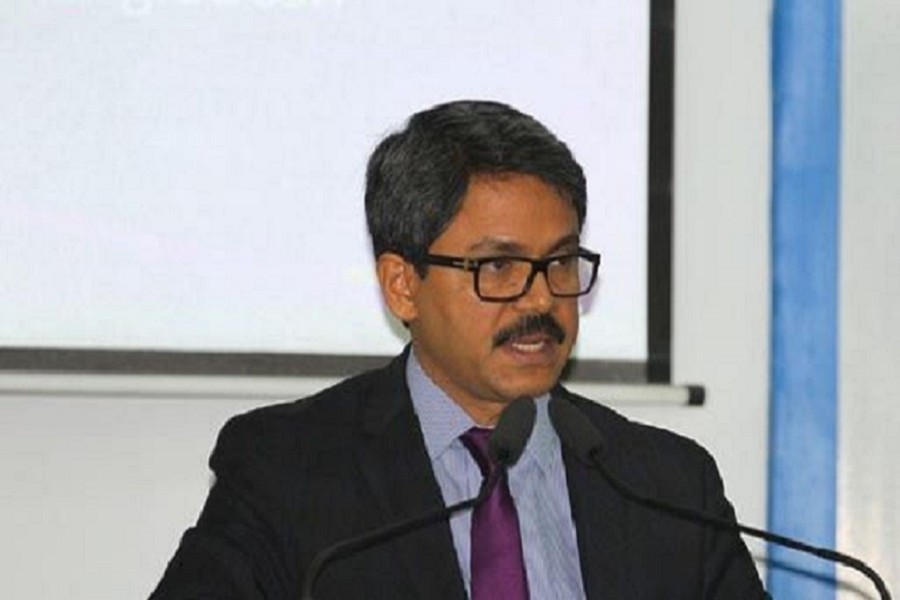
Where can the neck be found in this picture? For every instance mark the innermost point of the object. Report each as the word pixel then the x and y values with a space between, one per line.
pixel 485 414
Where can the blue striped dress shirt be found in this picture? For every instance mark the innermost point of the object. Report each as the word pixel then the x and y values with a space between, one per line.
pixel 537 483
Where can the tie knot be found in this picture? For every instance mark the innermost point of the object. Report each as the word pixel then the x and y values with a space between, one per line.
pixel 476 441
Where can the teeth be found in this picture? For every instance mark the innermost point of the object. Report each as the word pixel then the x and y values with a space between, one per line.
pixel 534 347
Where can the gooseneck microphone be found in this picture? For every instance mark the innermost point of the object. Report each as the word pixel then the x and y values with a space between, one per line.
pixel 506 444
pixel 582 437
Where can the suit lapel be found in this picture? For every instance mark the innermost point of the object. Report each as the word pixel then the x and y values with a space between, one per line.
pixel 396 468
pixel 601 518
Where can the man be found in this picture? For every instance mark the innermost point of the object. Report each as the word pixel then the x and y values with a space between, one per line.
pixel 475 212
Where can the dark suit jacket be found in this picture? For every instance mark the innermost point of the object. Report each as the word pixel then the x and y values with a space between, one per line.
pixel 294 478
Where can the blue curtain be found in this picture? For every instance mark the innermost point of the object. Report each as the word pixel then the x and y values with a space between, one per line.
pixel 806 53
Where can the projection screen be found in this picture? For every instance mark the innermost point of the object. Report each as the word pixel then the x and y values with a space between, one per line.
pixel 187 175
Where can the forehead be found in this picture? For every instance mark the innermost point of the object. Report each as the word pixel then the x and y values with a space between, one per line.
pixel 511 210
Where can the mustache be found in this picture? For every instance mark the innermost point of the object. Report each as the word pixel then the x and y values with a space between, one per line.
pixel 529 325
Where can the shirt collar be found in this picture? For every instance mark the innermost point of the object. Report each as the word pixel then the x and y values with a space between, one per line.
pixel 443 420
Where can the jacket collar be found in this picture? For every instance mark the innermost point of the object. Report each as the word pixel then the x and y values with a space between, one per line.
pixel 397 470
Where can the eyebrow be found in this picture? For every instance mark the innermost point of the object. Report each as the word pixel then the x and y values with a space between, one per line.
pixel 515 249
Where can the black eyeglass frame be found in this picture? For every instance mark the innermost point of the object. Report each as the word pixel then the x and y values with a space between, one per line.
pixel 538 265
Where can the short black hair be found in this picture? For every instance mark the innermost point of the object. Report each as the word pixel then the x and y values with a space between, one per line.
pixel 417 177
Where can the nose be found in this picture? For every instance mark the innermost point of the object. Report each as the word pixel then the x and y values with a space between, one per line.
pixel 537 297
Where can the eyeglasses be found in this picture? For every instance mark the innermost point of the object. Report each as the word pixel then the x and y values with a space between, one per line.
pixel 508 278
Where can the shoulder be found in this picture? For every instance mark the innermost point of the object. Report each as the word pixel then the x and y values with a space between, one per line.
pixel 647 455
pixel 326 418
pixel 671 469
pixel 619 429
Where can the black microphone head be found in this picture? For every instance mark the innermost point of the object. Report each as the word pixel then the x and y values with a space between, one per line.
pixel 576 430
pixel 512 432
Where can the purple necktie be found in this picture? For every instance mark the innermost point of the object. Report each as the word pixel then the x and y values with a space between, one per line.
pixel 498 567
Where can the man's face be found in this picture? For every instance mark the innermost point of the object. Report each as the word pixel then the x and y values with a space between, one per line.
pixel 457 337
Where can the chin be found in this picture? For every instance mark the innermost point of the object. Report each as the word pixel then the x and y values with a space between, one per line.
pixel 532 389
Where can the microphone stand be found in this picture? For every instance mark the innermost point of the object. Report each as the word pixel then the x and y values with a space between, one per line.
pixel 693 515
pixel 382 534
pixel 580 434
pixel 506 444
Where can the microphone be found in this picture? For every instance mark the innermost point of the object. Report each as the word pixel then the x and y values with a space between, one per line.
pixel 588 444
pixel 505 446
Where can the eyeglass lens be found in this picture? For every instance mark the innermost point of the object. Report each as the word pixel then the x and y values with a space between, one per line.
pixel 508 277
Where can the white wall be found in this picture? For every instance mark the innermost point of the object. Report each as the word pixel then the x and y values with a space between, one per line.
pixel 721 278
pixel 97 490
pixel 101 475
pixel 103 486
pixel 869 475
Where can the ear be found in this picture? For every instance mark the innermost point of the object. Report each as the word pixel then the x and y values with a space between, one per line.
pixel 399 282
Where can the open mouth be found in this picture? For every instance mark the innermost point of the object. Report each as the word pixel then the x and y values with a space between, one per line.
pixel 532 335
pixel 531 344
